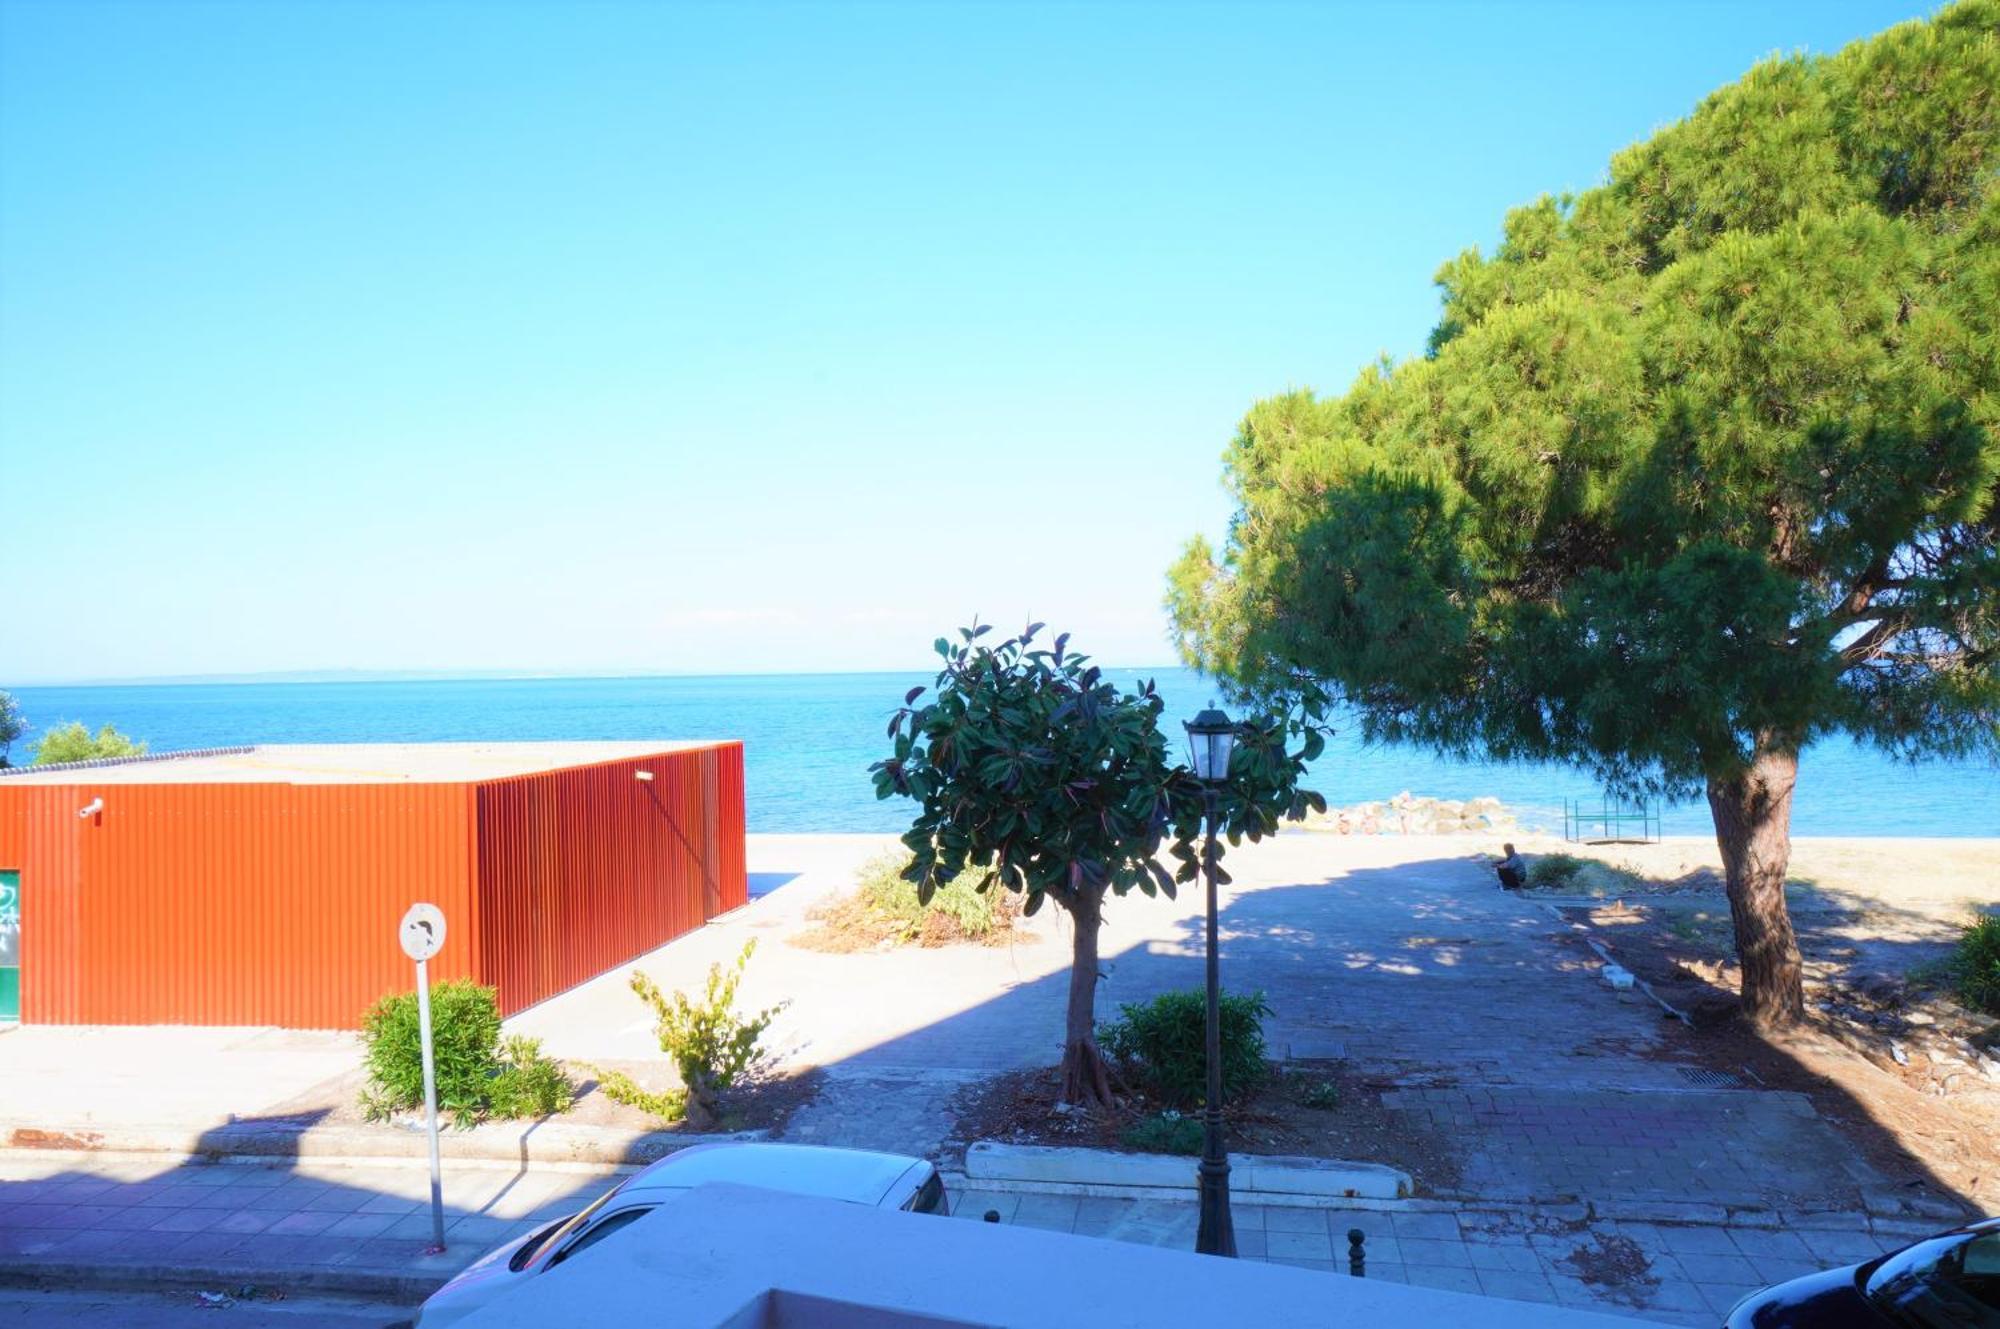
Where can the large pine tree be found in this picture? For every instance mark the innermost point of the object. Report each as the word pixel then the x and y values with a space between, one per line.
pixel 1702 465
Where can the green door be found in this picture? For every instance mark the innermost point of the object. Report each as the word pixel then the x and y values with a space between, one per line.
pixel 10 946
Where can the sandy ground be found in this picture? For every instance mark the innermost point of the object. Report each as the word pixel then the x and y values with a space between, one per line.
pixel 1861 906
pixel 1943 880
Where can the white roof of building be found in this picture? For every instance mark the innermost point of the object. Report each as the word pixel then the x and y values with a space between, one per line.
pixel 348 763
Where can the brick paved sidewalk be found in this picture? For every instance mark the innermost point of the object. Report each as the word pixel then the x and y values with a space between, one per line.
pixel 1742 1148
pixel 365 1229
pixel 1672 1273
pixel 361 1229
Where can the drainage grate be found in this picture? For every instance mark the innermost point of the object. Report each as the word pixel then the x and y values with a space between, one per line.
pixel 1708 1079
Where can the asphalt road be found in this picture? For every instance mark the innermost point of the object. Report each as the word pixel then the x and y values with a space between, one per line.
pixel 185 1310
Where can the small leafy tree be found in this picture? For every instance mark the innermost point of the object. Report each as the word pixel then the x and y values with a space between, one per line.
pixel 1029 763
pixel 711 1045
pixel 72 742
pixel 12 725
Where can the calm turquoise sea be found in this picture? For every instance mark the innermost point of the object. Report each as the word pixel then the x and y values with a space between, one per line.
pixel 810 738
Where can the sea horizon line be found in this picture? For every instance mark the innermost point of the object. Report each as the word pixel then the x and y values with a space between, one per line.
pixel 370 676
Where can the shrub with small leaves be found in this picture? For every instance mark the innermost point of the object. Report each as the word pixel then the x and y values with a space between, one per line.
pixel 711 1045
pixel 1315 1092
pixel 1975 965
pixel 885 910
pixel 1164 1042
pixel 1166 1132
pixel 528 1084
pixel 476 1075
pixel 959 903
pixel 1550 871
pixel 667 1104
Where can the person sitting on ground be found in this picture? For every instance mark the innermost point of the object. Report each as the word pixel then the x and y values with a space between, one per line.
pixel 1513 872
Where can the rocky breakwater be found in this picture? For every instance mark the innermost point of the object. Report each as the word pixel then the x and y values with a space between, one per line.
pixel 1406 814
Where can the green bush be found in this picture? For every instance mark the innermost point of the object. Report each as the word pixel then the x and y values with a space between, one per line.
pixel 1975 965
pixel 1165 1043
pixel 1165 1133
pixel 667 1104
pixel 1315 1092
pixel 477 1076
pixel 528 1084
pixel 1554 870
pixel 959 902
pixel 1581 876
pixel 883 911
pixel 72 742
pixel 710 1044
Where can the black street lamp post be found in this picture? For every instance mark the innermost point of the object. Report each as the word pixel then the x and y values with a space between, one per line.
pixel 1211 736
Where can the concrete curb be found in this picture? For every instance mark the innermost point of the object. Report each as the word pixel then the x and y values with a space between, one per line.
pixel 1268 1199
pixel 1576 1211
pixel 990 1164
pixel 534 1144
pixel 397 1287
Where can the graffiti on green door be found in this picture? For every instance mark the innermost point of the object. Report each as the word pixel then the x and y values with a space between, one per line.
pixel 10 946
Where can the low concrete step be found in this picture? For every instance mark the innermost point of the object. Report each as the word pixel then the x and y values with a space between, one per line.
pixel 990 1161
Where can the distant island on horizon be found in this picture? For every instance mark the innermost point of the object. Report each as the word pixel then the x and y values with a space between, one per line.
pixel 473 676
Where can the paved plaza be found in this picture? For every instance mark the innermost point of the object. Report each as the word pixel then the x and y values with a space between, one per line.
pixel 1592 1170
pixel 1398 954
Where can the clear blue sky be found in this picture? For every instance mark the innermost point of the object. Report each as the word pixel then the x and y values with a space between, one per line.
pixel 653 337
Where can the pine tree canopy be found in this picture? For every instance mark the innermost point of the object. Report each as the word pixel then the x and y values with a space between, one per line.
pixel 1701 462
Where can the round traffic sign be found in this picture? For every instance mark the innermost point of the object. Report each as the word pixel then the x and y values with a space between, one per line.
pixel 422 931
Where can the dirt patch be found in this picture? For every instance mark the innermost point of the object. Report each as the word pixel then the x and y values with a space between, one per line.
pixel 1318 1109
pixel 1615 1264
pixel 1688 971
pixel 27 1137
pixel 849 923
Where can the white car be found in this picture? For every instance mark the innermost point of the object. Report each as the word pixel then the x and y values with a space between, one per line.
pixel 884 1181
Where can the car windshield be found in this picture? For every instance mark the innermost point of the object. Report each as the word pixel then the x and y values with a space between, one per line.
pixel 553 1238
pixel 533 1246
pixel 1944 1283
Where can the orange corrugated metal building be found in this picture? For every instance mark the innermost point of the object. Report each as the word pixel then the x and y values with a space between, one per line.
pixel 262 886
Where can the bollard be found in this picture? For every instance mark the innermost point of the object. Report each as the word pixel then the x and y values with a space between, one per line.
pixel 1356 1257
pixel 992 1215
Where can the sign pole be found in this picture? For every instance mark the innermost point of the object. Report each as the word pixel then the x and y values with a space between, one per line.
pixel 431 1101
pixel 422 936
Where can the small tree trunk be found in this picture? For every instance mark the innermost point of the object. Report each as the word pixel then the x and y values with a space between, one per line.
pixel 1084 1079
pixel 699 1110
pixel 1753 829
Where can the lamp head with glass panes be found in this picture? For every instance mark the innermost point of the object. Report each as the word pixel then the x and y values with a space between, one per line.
pixel 1211 739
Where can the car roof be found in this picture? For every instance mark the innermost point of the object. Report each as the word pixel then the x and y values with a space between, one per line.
pixel 855 1175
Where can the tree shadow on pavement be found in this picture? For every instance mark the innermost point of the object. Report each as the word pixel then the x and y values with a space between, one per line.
pixel 223 1221
pixel 1491 1026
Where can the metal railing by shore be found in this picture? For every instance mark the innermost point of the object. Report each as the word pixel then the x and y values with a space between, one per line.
pixel 1614 821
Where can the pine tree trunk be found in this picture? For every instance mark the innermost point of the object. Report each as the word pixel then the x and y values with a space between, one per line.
pixel 1084 1079
pixel 1753 829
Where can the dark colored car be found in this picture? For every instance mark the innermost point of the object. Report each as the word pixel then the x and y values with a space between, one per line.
pixel 1950 1281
